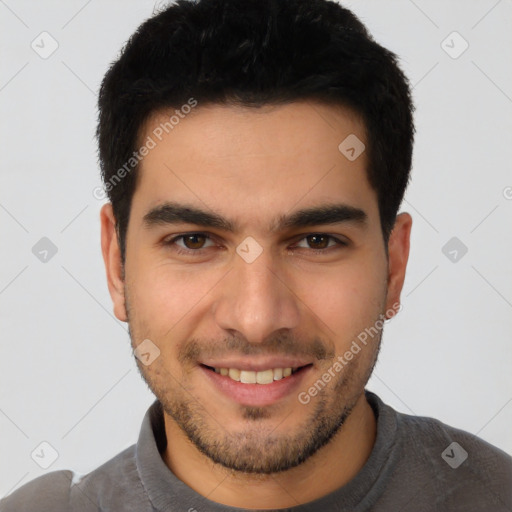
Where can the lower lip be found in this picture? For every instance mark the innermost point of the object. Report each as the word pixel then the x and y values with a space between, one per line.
pixel 256 394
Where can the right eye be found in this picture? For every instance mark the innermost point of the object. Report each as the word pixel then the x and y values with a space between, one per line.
pixel 191 243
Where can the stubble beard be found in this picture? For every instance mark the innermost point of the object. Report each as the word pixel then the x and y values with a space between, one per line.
pixel 258 449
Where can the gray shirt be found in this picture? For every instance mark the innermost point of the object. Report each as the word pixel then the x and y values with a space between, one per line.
pixel 417 464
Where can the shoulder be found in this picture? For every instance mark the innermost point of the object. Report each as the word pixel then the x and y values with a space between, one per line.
pixel 48 492
pixel 65 490
pixel 118 476
pixel 425 434
pixel 460 466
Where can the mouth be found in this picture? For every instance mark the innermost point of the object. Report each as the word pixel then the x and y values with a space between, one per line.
pixel 256 388
pixel 264 377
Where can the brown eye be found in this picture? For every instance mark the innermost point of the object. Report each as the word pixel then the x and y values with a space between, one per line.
pixel 194 241
pixel 318 241
pixel 189 243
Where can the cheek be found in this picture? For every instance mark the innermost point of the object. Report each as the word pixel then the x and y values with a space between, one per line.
pixel 160 296
pixel 166 298
pixel 348 298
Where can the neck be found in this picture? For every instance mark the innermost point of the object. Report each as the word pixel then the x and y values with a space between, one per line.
pixel 331 467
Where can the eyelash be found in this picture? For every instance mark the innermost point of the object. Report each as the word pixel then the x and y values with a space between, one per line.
pixel 179 250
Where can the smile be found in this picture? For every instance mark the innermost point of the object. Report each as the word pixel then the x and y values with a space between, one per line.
pixel 256 387
pixel 255 377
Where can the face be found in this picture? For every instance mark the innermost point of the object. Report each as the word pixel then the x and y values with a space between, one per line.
pixel 253 250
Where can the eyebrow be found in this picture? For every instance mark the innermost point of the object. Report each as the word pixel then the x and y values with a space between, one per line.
pixel 176 213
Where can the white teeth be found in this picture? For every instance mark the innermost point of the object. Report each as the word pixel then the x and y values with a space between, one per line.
pixel 252 377
pixel 265 377
pixel 234 374
pixel 278 373
pixel 248 377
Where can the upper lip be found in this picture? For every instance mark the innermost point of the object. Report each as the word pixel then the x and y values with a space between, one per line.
pixel 257 365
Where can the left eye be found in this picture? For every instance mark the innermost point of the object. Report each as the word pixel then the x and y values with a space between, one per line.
pixel 193 241
pixel 319 241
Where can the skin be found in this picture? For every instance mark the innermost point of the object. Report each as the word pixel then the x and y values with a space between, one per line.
pixel 250 166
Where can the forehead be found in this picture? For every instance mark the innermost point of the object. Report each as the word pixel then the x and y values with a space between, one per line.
pixel 259 162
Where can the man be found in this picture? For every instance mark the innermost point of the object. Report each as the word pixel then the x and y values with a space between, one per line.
pixel 255 154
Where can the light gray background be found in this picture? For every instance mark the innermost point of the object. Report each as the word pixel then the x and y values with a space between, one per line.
pixel 67 373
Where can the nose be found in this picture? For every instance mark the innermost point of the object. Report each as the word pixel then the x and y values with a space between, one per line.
pixel 256 300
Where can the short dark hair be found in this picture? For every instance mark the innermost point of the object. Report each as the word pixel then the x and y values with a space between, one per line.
pixel 254 53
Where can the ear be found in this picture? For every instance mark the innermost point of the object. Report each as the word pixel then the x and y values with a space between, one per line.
pixel 112 258
pixel 398 251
